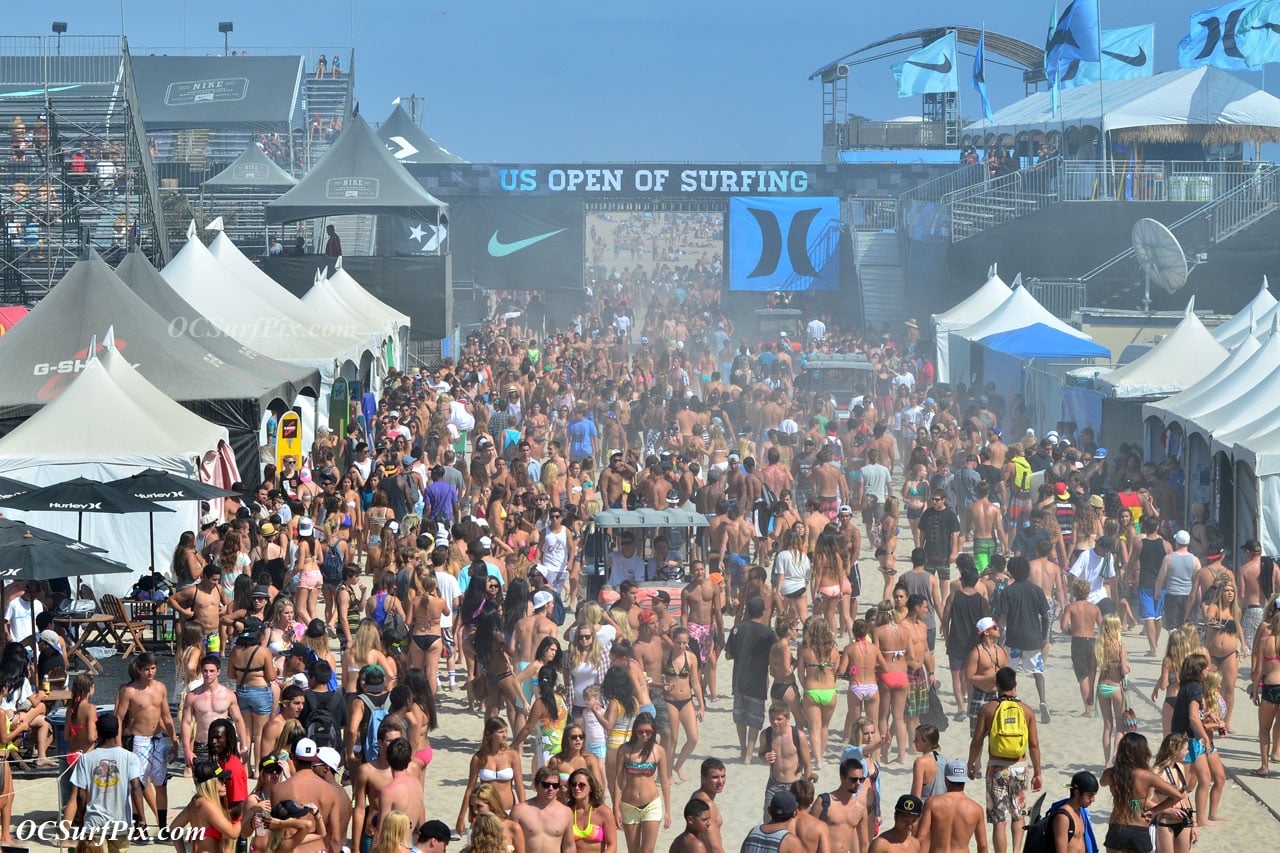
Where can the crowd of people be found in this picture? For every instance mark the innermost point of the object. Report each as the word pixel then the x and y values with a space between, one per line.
pixel 450 551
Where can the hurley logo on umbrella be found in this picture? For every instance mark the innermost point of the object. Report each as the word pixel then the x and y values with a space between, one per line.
pixel 160 496
pixel 79 506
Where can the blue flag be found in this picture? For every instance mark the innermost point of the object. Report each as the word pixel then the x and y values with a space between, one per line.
pixel 932 68
pixel 1074 37
pixel 1126 54
pixel 980 74
pixel 1212 38
pixel 1258 34
pixel 1053 80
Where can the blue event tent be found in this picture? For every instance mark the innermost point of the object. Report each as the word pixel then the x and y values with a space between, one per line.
pixel 1043 342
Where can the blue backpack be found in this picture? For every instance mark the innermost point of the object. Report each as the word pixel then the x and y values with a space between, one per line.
pixel 374 714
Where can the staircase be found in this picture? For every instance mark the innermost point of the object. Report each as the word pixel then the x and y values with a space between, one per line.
pixel 878 256
pixel 994 202
pixel 328 98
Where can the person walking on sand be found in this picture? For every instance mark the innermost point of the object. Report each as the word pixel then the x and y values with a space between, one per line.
pixel 785 749
pixel 986 659
pixel 844 811
pixel 952 820
pixel 713 778
pixel 776 835
pixel 1009 727
pixel 749 645
pixel 903 835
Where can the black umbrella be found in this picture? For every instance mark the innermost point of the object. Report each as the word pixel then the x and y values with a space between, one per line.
pixel 12 531
pixel 81 495
pixel 156 485
pixel 10 487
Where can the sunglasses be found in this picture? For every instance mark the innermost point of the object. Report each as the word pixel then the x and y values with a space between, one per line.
pixel 644 732
pixel 580 785
pixel 549 786
pixel 577 737
pixel 857 780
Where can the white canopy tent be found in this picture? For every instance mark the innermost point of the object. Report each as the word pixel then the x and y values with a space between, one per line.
pixel 1250 414
pixel 1243 323
pixel 973 308
pixel 1261 455
pixel 1247 365
pixel 351 292
pixel 324 301
pixel 1019 311
pixel 1184 357
pixel 110 423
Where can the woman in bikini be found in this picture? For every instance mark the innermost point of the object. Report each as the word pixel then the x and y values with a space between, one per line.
pixel 594 825
pixel 381 540
pixel 860 661
pixel 420 719
pixel 619 708
pixel 642 787
pixel 1175 833
pixel 1113 666
pixel 573 756
pixel 818 659
pixel 484 801
pixel 1224 636
pixel 1133 785
pixel 892 642
pixel 548 715
pixel 81 728
pixel 682 683
pixel 186 564
pixel 830 570
pixel 365 650
pixel 251 667
pixel 494 656
pixel 497 764
pixel 782 666
pixel 1182 642
pixel 915 497
pixel 207 810
pixel 425 609
pixel 1266 687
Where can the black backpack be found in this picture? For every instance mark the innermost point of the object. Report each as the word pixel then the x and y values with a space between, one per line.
pixel 1039 835
pixel 331 567
pixel 321 725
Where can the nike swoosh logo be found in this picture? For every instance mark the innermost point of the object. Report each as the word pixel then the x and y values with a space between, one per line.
pixel 1137 61
pixel 499 249
pixel 1275 28
pixel 943 67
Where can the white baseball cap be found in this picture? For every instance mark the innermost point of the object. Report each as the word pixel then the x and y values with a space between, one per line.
pixel 986 623
pixel 541 599
pixel 329 757
pixel 1182 537
pixel 305 750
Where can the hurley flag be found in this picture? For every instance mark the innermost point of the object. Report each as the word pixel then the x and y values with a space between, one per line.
pixel 1126 54
pixel 1213 38
pixel 1074 37
pixel 1258 34
pixel 932 68
pixel 980 74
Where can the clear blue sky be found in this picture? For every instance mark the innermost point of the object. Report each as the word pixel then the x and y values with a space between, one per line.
pixel 570 80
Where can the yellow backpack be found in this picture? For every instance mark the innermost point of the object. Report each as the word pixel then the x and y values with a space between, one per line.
pixel 1008 736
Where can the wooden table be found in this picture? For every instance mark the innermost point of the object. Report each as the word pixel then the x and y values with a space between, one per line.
pixel 160 615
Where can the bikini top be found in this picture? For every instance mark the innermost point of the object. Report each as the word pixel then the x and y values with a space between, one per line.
pixel 670 670
pixel 591 832
pixel 506 774
pixel 641 768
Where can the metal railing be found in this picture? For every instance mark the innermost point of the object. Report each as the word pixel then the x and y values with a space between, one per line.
pixel 936 189
pixel 1247 203
pixel 1061 296
pixel 1003 199
pixel 149 197
pixel 871 214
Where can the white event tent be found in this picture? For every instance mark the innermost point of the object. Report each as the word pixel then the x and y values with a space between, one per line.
pixel 354 294
pixel 1245 322
pixel 1257 485
pixel 973 308
pixel 1185 356
pixel 110 423
pixel 1019 311
pixel 323 301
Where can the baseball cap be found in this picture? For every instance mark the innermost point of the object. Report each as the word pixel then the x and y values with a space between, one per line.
pixel 647 616
pixel 1084 781
pixel 323 429
pixel 406 460
pixel 269 762
pixel 909 805
pixel 956 771
pixel 486 543
pixel 329 757
pixel 1182 537
pixel 433 830
pixel 306 750
pixel 208 520
pixel 289 810
pixel 986 623
pixel 305 527
pixel 1251 545
pixel 393 414
pixel 845 509
pixel 203 771
pixel 50 637
pixel 374 676
pixel 541 599
pixel 1060 491
pixel 783 805
pixel 663 596
pixel 1100 453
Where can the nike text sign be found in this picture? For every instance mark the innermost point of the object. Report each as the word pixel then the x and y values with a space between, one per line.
pixel 784 244
pixel 505 243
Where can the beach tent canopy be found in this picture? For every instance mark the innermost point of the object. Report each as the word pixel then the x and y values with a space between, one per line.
pixel 252 169
pixel 970 310
pixel 1019 311
pixel 357 175
pixel 66 439
pixel 1185 356
pixel 354 293
pixel 1243 323
pixel 1044 342
pixel 409 143
pixel 1205 105
pixel 1239 373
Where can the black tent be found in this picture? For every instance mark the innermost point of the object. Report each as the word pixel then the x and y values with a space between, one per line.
pixel 41 355
pixel 357 175
pixel 252 170
pixel 409 143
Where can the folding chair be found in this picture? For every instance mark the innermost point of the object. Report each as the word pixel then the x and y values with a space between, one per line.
pixel 127 631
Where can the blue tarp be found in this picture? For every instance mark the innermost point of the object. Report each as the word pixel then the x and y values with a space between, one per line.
pixel 1044 342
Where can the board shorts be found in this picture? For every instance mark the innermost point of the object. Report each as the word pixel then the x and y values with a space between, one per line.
pixel 748 711
pixel 738 570
pixel 983 551
pixel 917 692
pixel 1027 661
pixel 153 753
pixel 830 507
pixel 1007 793
pixel 704 636
pixel 1082 656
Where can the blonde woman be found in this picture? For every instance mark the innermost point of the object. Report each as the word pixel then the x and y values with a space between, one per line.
pixel 1182 642
pixel 206 810
pixel 1113 666
pixel 886 529
pixel 830 579
pixel 818 659
pixel 585 663
pixel 860 660
pixel 425 609
pixel 1224 636
pixel 1265 672
pixel 394 834
pixel 1174 833
pixel 366 650
pixel 485 801
pixel 892 642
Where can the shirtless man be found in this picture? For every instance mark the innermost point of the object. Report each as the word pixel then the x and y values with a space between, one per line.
pixel 404 792
pixel 530 632
pixel 702 612
pixel 713 777
pixel 649 652
pixel 612 480
pixel 204 604
pixel 826 482
pixel 697 829
pixel 142 706
pixel 1068 826
pixel 844 811
pixel 921 666
pixel 786 750
pixel 292 701
pixel 211 701
pixel 1252 598
pixel 737 546
pixel 367 781
pixel 814 834
pixel 1081 620
pixel 952 820
pixel 545 820
pixel 980 669
pixel 982 525
pixel 1047 575
pixel 902 836
pixel 814 523
pixel 314 782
